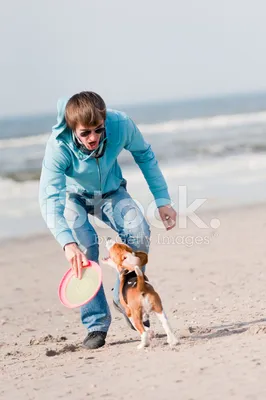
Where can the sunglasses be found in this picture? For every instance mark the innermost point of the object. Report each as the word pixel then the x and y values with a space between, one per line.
pixel 99 131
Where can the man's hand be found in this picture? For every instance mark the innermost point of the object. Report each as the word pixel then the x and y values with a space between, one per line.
pixel 168 216
pixel 76 258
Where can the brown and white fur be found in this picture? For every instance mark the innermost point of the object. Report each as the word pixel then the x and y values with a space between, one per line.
pixel 140 299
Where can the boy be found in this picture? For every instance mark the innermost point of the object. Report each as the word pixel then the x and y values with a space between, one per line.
pixel 81 176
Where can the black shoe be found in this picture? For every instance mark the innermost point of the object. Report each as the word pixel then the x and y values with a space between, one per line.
pixel 119 308
pixel 94 340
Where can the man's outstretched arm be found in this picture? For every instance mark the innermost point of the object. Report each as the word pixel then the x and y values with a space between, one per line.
pixel 147 162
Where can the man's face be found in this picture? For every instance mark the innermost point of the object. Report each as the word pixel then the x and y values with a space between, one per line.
pixel 90 135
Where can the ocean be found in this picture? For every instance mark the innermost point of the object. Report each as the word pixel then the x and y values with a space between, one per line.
pixel 216 147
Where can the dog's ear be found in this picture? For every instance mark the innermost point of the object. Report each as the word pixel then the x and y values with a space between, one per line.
pixel 142 256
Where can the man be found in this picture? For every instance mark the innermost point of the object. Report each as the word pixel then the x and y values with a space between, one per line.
pixel 81 176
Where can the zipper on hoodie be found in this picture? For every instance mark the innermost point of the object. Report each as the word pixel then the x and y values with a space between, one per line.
pixel 99 171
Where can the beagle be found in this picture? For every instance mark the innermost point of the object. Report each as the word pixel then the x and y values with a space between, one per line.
pixel 136 294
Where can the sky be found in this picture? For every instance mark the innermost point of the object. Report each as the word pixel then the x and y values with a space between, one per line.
pixel 128 51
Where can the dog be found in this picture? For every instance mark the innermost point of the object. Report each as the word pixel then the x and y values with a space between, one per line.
pixel 136 294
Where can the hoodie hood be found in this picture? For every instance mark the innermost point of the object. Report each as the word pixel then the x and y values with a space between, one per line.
pixel 61 124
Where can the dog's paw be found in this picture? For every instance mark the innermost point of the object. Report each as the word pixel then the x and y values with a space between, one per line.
pixel 143 345
pixel 144 341
pixel 172 341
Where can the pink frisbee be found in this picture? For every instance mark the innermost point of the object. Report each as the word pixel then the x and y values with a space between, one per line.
pixel 74 292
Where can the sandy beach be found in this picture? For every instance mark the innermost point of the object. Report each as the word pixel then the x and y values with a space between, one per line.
pixel 213 293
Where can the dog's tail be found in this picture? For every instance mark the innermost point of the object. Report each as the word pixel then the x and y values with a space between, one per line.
pixel 141 281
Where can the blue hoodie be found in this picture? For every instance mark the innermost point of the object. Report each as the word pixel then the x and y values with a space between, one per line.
pixel 66 168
